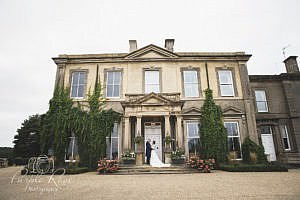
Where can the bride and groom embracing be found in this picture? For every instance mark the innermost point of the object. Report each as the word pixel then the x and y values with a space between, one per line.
pixel 152 157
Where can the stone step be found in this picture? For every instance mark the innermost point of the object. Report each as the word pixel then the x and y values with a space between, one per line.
pixel 290 158
pixel 154 170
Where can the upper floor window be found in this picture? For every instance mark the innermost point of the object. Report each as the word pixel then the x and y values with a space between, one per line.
pixel 226 83
pixel 152 81
pixel 78 84
pixel 113 84
pixel 234 143
pixel 285 138
pixel 261 101
pixel 190 79
pixel 193 138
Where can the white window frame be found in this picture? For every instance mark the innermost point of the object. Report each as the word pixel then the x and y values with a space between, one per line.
pixel 235 136
pixel 110 139
pixel 230 83
pixel 146 84
pixel 113 84
pixel 261 101
pixel 194 84
pixel 78 84
pixel 191 137
pixel 285 135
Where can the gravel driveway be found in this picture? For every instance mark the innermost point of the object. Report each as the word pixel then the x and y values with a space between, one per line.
pixel 217 185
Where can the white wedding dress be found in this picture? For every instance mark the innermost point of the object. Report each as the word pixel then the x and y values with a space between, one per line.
pixel 154 160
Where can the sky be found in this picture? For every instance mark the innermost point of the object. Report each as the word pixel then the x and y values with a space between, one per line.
pixel 32 32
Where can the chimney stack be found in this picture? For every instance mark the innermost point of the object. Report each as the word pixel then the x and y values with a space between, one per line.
pixel 169 44
pixel 291 64
pixel 132 45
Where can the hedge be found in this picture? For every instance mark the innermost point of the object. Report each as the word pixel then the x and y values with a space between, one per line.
pixel 253 168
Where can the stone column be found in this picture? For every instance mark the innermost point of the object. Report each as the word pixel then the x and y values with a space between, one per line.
pixel 127 134
pixel 139 147
pixel 167 125
pixel 179 135
pixel 167 146
pixel 138 126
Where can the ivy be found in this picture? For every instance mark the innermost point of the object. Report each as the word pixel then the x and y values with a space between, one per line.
pixel 213 134
pixel 91 127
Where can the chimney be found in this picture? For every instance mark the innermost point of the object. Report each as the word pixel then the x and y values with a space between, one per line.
pixel 291 64
pixel 169 43
pixel 132 45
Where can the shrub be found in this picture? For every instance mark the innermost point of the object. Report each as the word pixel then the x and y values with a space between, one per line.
pixel 253 168
pixel 107 166
pixel 77 170
pixel 249 148
pixel 20 161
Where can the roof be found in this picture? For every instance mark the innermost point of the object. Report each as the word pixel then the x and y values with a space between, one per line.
pixel 138 55
pixel 280 77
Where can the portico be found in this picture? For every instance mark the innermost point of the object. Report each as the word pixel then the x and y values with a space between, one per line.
pixel 153 116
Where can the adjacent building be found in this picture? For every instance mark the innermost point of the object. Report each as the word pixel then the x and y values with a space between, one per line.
pixel 278 112
pixel 159 92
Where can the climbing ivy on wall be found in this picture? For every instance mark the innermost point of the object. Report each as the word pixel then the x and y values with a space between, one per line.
pixel 213 134
pixel 90 125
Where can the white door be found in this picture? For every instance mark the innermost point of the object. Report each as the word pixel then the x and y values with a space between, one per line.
pixel 267 141
pixel 154 134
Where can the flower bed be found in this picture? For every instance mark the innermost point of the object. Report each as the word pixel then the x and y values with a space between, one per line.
pixel 107 166
pixel 202 165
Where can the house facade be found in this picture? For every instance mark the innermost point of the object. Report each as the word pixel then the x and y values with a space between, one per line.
pixel 159 93
pixel 278 112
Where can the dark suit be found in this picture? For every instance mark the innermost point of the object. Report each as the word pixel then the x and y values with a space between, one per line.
pixel 148 152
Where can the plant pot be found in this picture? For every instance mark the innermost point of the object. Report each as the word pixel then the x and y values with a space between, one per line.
pixel 178 161
pixel 129 162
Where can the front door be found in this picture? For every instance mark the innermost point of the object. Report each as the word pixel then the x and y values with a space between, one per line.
pixel 267 141
pixel 153 132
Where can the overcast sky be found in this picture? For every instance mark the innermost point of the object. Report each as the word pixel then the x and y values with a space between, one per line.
pixel 32 32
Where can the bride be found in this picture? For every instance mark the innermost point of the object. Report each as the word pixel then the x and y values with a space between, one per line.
pixel 154 160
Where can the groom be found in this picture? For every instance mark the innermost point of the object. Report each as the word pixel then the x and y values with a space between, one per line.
pixel 148 151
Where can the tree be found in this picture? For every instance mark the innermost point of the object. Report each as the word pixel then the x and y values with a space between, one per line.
pixel 27 142
pixel 213 134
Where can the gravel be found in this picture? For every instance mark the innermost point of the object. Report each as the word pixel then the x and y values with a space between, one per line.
pixel 216 185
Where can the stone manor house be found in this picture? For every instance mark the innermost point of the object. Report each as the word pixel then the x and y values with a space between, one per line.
pixel 159 92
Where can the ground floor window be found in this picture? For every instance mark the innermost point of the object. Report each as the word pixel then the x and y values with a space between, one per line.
pixel 112 144
pixel 285 138
pixel 234 143
pixel 72 151
pixel 193 137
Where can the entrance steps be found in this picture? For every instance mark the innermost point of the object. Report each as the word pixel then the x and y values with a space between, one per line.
pixel 146 169
pixel 290 158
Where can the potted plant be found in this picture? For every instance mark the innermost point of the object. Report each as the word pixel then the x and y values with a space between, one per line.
pixel 128 157
pixel 178 156
pixel 168 141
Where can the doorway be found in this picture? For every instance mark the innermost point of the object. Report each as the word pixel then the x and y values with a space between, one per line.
pixel 153 132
